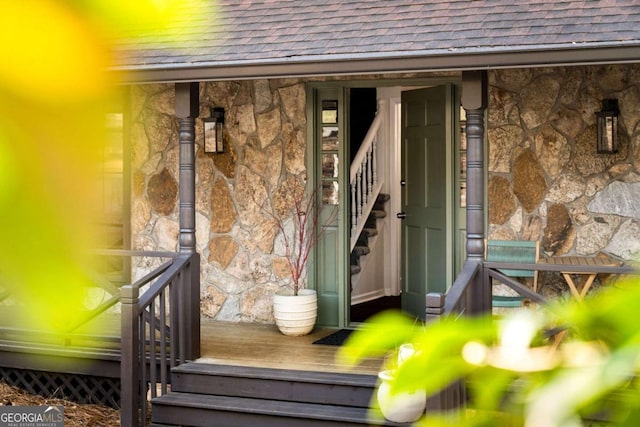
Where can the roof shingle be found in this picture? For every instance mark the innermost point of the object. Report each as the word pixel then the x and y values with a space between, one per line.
pixel 238 31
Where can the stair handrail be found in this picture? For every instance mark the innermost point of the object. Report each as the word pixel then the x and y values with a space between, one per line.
pixel 155 336
pixel 367 141
pixel 365 181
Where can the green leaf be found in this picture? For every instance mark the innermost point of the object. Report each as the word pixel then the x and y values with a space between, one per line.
pixel 382 333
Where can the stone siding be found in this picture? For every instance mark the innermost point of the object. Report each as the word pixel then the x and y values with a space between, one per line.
pixel 546 180
pixel 264 161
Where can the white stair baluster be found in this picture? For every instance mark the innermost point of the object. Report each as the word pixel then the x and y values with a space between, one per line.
pixel 369 173
pixel 365 180
pixel 375 162
pixel 354 219
pixel 359 185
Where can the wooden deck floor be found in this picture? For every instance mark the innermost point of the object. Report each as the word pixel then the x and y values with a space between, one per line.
pixel 230 343
pixel 264 346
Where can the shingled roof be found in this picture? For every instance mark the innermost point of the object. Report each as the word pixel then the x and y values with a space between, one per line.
pixel 267 38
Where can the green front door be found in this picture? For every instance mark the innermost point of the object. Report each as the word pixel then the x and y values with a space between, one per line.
pixel 426 245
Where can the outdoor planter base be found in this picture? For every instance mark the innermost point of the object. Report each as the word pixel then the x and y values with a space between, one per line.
pixel 295 315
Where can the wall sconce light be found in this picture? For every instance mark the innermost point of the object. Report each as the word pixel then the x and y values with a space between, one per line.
pixel 608 126
pixel 213 131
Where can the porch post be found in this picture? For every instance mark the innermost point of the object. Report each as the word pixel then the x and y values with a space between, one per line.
pixel 130 358
pixel 187 104
pixel 474 102
pixel 187 108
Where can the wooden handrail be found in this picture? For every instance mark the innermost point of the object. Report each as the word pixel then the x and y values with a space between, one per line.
pixel 366 144
pixel 130 253
pixel 461 286
pixel 156 330
pixel 461 293
pixel 542 266
pixel 516 286
pixel 163 281
pixel 115 291
pixel 155 333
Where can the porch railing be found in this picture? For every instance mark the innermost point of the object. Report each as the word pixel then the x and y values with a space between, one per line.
pixel 457 301
pixel 156 333
pixel 159 329
pixel 471 294
pixel 365 179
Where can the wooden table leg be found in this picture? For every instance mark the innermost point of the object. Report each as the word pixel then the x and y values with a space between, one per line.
pixel 572 285
pixel 587 281
pixel 580 291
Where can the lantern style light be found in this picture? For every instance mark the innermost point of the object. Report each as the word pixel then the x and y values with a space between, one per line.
pixel 213 131
pixel 608 126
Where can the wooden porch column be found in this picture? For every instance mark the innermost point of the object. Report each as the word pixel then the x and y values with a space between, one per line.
pixel 187 109
pixel 474 102
pixel 130 358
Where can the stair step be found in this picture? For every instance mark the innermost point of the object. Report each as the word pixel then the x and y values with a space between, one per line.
pixel 381 200
pixel 365 235
pixel 383 197
pixel 378 213
pixel 275 384
pixel 227 396
pixel 188 409
pixel 360 250
pixel 369 232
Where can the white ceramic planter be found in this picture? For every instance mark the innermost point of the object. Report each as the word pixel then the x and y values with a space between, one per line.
pixel 401 407
pixel 295 315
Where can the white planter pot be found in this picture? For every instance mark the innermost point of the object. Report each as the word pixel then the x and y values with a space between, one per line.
pixel 401 407
pixel 295 315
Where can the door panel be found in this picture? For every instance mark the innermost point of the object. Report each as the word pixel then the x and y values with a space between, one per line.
pixel 329 281
pixel 426 120
pixel 415 243
pixel 331 172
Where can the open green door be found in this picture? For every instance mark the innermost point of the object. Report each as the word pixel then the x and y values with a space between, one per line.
pixel 426 245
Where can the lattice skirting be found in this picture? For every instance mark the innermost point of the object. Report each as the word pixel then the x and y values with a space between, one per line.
pixel 77 388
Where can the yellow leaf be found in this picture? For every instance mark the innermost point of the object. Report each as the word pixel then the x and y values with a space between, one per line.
pixel 50 53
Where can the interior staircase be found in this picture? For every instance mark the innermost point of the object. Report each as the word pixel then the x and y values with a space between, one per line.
pixel 204 394
pixel 369 233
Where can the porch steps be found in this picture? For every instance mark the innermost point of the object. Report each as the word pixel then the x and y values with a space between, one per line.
pixel 205 394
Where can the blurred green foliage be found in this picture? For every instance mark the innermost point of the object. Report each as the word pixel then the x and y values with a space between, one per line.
pixel 55 88
pixel 569 363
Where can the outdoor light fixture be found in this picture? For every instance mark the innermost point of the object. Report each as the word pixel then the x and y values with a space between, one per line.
pixel 608 126
pixel 213 131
